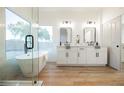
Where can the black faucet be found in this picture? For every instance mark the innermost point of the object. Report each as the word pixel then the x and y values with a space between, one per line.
pixel 25 49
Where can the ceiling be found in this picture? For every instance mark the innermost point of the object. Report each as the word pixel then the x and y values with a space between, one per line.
pixel 74 9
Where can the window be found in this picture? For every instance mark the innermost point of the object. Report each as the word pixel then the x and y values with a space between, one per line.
pixel 16 30
pixel 45 34
pixel 16 27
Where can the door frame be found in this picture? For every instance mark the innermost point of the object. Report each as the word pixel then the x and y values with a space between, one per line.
pixel 109 44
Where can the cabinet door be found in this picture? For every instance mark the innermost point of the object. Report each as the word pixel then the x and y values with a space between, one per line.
pixel 91 56
pixel 72 57
pixel 101 56
pixel 81 55
pixel 62 59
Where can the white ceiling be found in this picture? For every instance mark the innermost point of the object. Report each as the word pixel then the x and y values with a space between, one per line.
pixel 73 9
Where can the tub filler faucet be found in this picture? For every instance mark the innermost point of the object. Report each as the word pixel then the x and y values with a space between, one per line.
pixel 25 49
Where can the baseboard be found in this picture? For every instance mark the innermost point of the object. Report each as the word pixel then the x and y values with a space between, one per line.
pixel 80 64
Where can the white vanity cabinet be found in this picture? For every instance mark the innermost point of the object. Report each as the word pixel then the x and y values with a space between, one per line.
pixel 91 56
pixel 62 54
pixel 82 56
pixel 67 56
pixel 96 56
pixel 72 55
pixel 101 56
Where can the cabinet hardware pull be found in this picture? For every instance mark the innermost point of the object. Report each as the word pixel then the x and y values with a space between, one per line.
pixel 97 54
pixel 78 54
pixel 81 48
pixel 66 54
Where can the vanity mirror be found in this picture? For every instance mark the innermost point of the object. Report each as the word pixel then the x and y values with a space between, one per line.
pixel 65 34
pixel 89 34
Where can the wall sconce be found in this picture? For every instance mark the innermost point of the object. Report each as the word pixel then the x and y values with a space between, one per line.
pixel 66 24
pixel 90 24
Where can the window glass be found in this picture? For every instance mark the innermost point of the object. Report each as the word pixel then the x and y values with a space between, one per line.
pixel 45 34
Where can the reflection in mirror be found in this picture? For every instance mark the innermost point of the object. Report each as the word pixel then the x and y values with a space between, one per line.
pixel 90 34
pixel 65 35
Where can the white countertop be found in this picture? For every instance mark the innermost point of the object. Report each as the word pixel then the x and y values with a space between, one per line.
pixel 63 46
pixel 78 45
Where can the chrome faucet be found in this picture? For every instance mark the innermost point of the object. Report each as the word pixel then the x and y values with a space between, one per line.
pixel 91 43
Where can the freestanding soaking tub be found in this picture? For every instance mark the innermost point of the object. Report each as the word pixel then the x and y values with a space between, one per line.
pixel 32 63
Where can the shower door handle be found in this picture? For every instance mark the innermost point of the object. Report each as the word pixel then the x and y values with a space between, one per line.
pixel 29 41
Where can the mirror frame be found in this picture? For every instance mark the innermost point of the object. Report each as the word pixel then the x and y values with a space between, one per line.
pixel 84 31
pixel 67 34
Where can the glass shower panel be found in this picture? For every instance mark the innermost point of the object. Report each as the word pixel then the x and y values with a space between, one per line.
pixel 21 66
pixel 34 31
pixel 18 68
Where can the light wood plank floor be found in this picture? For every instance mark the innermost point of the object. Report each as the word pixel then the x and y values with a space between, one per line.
pixel 80 76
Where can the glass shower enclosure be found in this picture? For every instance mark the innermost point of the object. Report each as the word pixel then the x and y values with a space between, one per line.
pixel 21 66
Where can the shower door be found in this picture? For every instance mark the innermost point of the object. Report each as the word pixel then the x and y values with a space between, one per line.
pixel 21 62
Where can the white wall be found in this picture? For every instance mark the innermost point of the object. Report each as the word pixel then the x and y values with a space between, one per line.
pixel 78 16
pixel 55 16
pixel 107 15
pixel 110 13
pixel 25 12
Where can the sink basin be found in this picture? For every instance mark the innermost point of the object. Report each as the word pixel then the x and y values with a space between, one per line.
pixel 67 46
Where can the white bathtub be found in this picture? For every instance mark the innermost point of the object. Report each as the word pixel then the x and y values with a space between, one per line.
pixel 31 64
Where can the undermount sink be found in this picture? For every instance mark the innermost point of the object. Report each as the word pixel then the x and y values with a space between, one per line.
pixel 67 46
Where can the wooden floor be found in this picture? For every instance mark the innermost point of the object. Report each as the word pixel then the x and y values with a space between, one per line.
pixel 80 76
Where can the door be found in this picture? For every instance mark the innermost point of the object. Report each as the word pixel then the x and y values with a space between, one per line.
pixel 115 43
